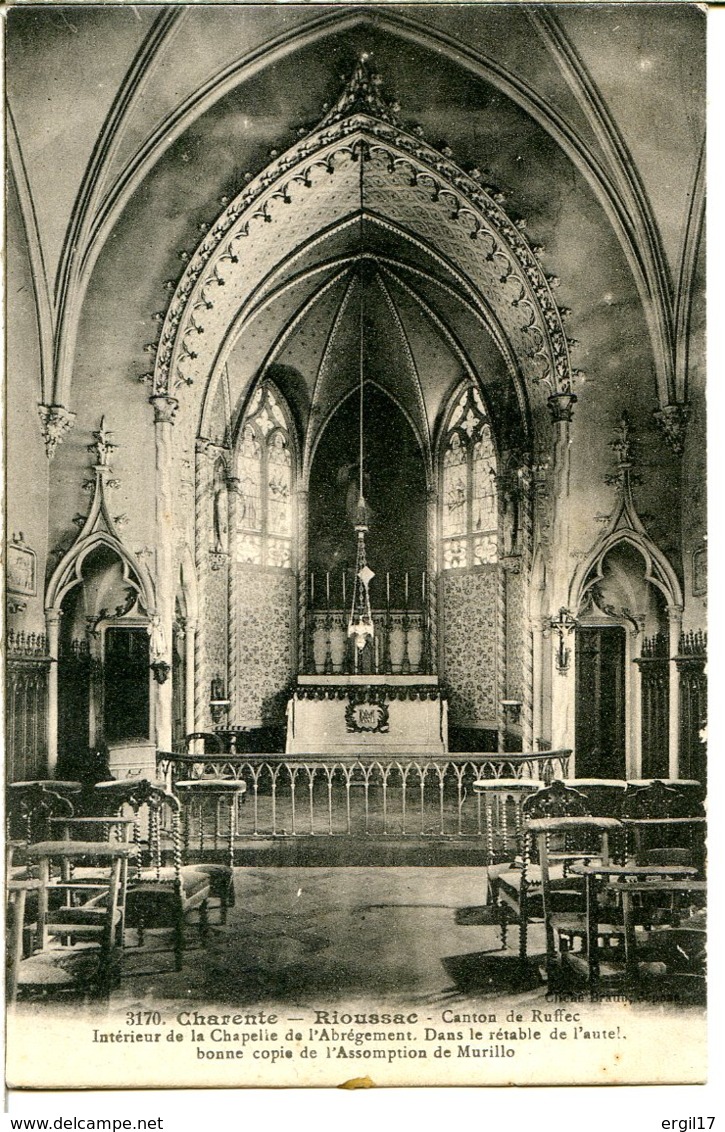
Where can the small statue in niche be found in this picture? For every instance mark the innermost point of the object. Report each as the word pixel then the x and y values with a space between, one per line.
pixel 220 510
pixel 157 637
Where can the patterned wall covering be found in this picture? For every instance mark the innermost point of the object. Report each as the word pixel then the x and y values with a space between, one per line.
pixel 265 646
pixel 514 636
pixel 469 644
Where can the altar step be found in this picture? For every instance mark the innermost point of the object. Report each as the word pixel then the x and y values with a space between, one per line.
pixel 333 852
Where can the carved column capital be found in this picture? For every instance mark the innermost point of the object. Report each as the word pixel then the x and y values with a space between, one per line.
pixel 55 422
pixel 165 408
pixel 672 420
pixel 202 445
pixel 561 407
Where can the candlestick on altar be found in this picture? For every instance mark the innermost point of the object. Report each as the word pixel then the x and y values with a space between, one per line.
pixel 344 599
pixel 406 589
pixel 312 589
pixel 387 589
pixel 423 586
pixel 327 588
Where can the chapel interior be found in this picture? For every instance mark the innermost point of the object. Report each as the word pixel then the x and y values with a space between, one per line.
pixel 356 500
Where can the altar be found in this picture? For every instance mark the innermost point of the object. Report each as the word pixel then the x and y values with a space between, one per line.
pixel 371 714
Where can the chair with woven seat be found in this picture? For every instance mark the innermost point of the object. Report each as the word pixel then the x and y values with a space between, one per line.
pixel 517 890
pixel 113 829
pixel 74 949
pixel 213 801
pixel 31 808
pixel 29 811
pixel 617 949
pixel 160 895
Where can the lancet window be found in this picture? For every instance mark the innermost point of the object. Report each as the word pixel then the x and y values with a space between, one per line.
pixel 469 519
pixel 265 493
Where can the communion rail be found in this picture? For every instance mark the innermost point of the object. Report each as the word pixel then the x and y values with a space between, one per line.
pixel 401 796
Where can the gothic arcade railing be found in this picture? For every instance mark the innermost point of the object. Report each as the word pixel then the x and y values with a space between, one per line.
pixel 395 797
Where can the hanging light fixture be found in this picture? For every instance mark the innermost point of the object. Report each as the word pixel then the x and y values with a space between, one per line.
pixel 360 625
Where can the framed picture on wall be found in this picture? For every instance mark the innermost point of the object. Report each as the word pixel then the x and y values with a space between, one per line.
pixel 22 572
pixel 699 572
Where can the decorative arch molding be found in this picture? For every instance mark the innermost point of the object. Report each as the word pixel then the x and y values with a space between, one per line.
pixel 405 275
pixel 658 570
pixel 686 281
pixel 98 218
pixel 221 272
pixel 644 246
pixel 625 525
pixel 98 530
pixel 44 310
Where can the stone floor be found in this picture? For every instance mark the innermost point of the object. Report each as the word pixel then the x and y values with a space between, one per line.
pixel 295 933
pixel 301 940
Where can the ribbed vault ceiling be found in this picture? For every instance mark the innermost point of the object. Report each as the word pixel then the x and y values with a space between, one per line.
pixel 422 333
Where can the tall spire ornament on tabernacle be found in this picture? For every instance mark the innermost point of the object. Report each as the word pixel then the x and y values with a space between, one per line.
pixel 360 625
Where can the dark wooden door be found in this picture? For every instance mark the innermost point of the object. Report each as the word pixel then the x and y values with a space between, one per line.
pixel 600 702
pixel 126 694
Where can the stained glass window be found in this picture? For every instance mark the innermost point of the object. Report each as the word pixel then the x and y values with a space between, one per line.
pixel 264 468
pixel 279 484
pixel 469 507
pixel 250 466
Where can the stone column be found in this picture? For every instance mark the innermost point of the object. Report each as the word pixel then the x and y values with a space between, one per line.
pixel 165 408
pixel 526 487
pixel 189 664
pixel 563 688
pixel 202 541
pixel 675 630
pixel 634 705
pixel 540 655
pixel 303 501
pixel 233 598
pixel 94 637
pixel 433 644
pixel 52 629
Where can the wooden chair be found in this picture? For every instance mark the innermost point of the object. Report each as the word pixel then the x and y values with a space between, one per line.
pixel 565 921
pixel 74 949
pixel 517 890
pixel 665 821
pixel 209 807
pixel 496 794
pixel 115 830
pixel 209 804
pixel 30 810
pixel 160 895
pixel 616 950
